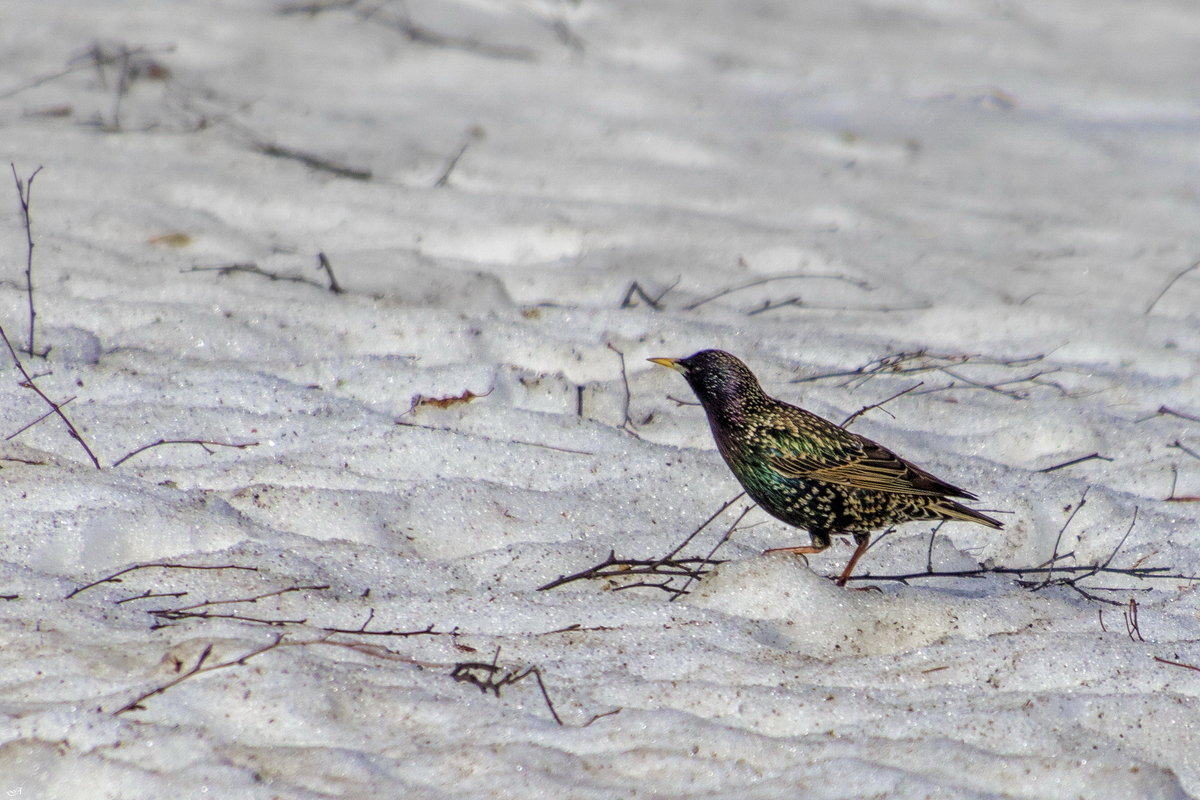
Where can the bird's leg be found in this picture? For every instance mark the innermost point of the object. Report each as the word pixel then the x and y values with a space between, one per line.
pixel 861 540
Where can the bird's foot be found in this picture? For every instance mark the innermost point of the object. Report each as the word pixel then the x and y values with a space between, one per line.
pixel 804 550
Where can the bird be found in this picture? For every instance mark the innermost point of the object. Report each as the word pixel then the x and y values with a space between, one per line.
pixel 808 472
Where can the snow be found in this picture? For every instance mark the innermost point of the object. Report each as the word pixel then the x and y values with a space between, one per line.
pixel 811 186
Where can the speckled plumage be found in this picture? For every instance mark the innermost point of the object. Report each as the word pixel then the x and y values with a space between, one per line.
pixel 807 471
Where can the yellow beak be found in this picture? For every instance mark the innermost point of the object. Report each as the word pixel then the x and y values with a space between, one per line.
pixel 669 363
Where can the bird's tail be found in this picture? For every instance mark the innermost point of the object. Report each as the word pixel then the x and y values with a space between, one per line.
pixel 952 510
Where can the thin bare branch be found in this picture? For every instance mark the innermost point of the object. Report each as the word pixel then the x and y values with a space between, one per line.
pixel 428 630
pixel 1169 412
pixel 26 461
pixel 310 160
pixel 239 600
pixel 24 195
pixel 861 284
pixel 1124 538
pixel 798 302
pixel 205 443
pixel 1075 461
pixel 200 668
pixel 116 576
pixel 202 610
pixel 404 23
pixel 922 361
pixel 253 269
pixel 1053 573
pixel 929 553
pixel 323 263
pixel 696 532
pixel 55 407
pixel 712 552
pixel 613 567
pixel 1140 573
pixel 29 425
pixel 1054 555
pixel 148 595
pixel 41 80
pixel 314 8
pixel 1170 283
pixel 880 405
pixel 489 677
pixel 627 423
pixel 96 58
pixel 1178 445
pixel 1131 621
pixel 655 302
pixel 668 567
pixel 474 134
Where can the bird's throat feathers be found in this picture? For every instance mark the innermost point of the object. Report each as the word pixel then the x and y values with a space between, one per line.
pixel 726 388
pixel 728 402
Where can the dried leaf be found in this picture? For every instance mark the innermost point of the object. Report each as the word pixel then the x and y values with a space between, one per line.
pixel 176 239
pixel 446 402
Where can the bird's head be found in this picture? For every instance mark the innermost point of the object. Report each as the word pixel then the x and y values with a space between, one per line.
pixel 723 384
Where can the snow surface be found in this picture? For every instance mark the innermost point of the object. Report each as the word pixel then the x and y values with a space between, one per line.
pixel 1003 180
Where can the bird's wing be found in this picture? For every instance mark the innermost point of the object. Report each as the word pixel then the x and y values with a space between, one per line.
pixel 862 464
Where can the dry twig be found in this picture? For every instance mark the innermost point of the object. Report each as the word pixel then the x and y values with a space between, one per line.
pixel 1169 412
pixel 1177 498
pixel 668 567
pixel 310 160
pixel 253 269
pixel 474 134
pixel 1177 663
pixel 709 556
pixel 202 610
pixel 928 553
pixel 1068 576
pixel 627 422
pixel 205 443
pixel 1075 461
pixel 116 576
pixel 201 666
pixel 861 284
pixel 612 567
pixel 401 20
pixel 922 361
pixel 1053 572
pixel 29 425
pixel 1131 621
pixel 1178 445
pixel 56 408
pixel 880 405
pixel 323 263
pixel 24 194
pixel 419 34
pixel 655 302
pixel 1170 283
pixel 488 677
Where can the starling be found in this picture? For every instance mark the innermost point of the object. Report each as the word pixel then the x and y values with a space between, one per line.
pixel 807 471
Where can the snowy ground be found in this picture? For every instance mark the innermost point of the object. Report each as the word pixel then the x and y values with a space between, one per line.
pixel 1012 182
